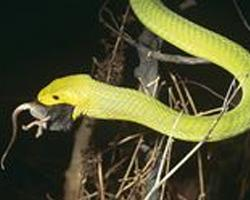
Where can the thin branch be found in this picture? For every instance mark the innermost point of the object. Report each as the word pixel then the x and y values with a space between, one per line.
pixel 187 4
pixel 117 43
pixel 241 15
pixel 100 178
pixel 202 195
pixel 129 169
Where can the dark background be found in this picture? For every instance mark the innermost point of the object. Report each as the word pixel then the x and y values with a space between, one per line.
pixel 43 40
pixel 40 40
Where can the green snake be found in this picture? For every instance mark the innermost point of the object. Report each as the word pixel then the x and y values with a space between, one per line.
pixel 99 100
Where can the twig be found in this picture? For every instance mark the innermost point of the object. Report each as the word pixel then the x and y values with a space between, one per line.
pixel 211 91
pixel 117 43
pixel 180 93
pixel 187 4
pixel 202 194
pixel 121 187
pixel 241 15
pixel 100 178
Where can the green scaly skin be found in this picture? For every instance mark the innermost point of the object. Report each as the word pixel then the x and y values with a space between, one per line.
pixel 103 101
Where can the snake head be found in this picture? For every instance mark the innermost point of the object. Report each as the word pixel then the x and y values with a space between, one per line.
pixel 70 90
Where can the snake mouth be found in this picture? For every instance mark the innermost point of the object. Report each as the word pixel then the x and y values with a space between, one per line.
pixel 52 118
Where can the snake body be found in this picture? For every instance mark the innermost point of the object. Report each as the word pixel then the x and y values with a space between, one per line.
pixel 99 100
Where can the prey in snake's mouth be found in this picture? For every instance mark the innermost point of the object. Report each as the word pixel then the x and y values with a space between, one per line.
pixel 60 117
pixel 52 118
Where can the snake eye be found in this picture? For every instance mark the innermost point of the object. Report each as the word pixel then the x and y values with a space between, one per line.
pixel 55 97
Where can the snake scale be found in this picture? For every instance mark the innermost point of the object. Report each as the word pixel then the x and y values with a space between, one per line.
pixel 99 100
